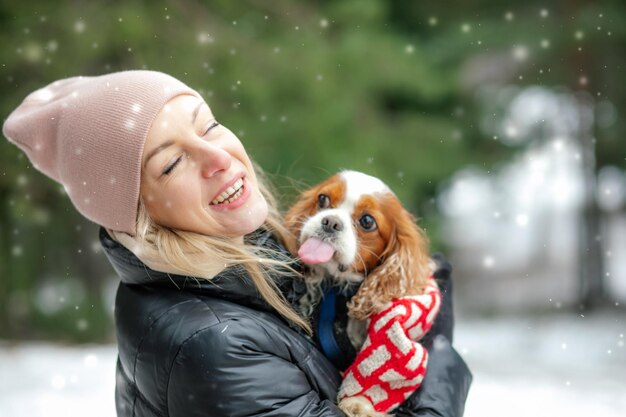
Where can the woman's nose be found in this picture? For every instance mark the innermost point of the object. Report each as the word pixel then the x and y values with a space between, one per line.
pixel 212 159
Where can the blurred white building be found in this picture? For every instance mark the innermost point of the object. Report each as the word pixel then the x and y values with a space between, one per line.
pixel 514 232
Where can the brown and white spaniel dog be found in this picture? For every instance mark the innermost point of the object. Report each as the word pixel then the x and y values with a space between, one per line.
pixel 353 228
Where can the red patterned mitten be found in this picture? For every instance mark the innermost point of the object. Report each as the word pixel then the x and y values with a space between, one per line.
pixel 391 364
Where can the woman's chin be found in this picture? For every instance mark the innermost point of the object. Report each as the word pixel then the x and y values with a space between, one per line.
pixel 258 216
pixel 252 217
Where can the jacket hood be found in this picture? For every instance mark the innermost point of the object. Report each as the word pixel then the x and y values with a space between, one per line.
pixel 232 284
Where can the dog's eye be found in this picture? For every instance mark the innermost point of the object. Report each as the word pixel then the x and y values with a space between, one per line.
pixel 323 201
pixel 367 223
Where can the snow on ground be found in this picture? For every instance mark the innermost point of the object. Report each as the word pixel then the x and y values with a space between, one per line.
pixel 569 366
pixel 46 380
pixel 565 365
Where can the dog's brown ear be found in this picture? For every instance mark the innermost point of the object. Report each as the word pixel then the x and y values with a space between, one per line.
pixel 296 216
pixel 404 269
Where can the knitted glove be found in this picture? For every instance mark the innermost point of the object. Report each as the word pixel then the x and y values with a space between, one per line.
pixel 391 363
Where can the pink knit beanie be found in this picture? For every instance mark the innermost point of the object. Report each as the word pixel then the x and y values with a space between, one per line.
pixel 88 133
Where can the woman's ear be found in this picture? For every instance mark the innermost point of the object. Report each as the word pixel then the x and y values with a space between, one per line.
pixel 404 270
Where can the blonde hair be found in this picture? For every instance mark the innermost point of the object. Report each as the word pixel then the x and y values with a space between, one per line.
pixel 177 247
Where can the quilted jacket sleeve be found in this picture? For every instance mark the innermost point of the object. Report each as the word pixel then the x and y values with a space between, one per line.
pixel 446 385
pixel 257 374
pixel 444 389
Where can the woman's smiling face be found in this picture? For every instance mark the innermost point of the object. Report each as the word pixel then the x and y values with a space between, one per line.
pixel 196 175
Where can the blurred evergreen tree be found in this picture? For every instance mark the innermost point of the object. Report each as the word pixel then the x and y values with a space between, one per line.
pixel 309 87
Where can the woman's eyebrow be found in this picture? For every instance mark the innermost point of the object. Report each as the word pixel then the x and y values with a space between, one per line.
pixel 194 115
pixel 157 150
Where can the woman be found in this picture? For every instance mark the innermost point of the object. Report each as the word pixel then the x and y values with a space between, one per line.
pixel 204 311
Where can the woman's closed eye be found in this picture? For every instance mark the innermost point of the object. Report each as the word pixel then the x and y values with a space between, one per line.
pixel 212 125
pixel 168 169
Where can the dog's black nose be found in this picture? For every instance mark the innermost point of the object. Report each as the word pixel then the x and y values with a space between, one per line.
pixel 332 224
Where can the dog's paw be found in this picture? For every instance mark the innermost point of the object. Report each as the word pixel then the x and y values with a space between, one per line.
pixel 359 407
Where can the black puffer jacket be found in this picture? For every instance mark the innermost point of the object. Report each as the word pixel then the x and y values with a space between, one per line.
pixel 214 348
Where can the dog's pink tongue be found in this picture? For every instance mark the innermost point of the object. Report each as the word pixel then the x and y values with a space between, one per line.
pixel 314 251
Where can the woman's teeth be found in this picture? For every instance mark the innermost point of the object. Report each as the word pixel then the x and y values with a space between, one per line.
pixel 231 194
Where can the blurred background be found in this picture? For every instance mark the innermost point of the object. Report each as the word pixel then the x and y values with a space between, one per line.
pixel 500 125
